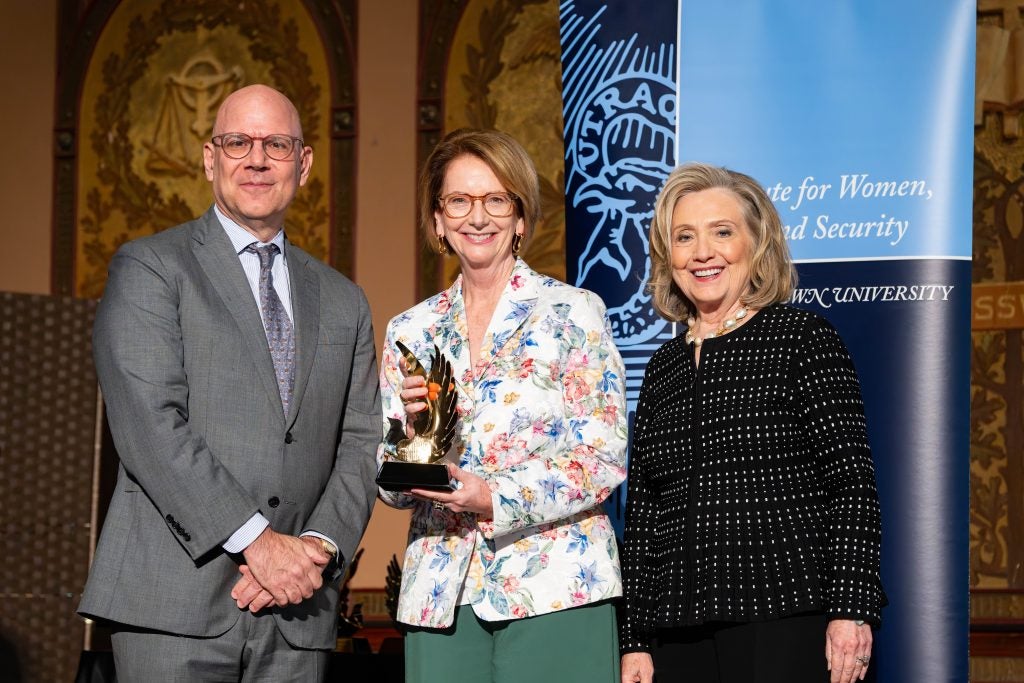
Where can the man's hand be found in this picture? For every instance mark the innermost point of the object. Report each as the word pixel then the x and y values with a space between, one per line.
pixel 248 593
pixel 287 567
pixel 318 544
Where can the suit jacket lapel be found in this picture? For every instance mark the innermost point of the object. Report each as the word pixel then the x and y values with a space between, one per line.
pixel 305 294
pixel 513 309
pixel 449 333
pixel 219 261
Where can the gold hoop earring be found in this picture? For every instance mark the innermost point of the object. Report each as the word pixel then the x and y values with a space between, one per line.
pixel 442 245
pixel 517 243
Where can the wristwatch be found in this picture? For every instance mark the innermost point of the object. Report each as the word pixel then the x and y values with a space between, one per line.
pixel 329 548
pixel 332 552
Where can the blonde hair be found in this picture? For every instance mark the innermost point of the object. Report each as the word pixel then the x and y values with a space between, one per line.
pixel 772 276
pixel 507 159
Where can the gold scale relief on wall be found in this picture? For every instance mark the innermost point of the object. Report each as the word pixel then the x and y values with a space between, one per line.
pixel 159 71
pixel 504 72
pixel 997 362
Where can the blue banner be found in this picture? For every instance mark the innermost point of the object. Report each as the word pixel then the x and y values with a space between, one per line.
pixel 857 117
pixel 619 93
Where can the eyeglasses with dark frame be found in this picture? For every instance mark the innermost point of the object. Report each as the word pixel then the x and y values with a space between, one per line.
pixel 496 204
pixel 238 145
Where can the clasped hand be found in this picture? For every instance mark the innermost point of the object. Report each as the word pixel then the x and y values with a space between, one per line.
pixel 279 570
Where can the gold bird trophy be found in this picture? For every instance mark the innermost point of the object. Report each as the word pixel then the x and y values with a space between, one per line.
pixel 419 460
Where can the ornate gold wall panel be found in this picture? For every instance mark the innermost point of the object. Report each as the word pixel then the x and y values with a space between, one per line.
pixel 130 134
pixel 997 361
pixel 997 368
pixel 496 64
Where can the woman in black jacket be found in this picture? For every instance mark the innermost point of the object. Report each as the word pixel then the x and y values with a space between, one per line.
pixel 752 522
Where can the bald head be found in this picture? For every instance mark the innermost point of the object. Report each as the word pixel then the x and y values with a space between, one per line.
pixel 257 98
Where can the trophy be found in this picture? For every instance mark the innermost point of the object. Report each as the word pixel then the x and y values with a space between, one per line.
pixel 418 462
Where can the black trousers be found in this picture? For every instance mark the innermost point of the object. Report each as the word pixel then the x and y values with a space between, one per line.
pixel 787 650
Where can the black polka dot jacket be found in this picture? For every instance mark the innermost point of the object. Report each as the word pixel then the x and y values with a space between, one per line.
pixel 751 490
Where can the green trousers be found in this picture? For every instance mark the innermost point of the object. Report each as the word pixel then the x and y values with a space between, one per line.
pixel 573 645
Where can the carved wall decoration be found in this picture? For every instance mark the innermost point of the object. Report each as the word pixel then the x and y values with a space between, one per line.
pixel 496 64
pixel 156 73
pixel 997 448
pixel 997 363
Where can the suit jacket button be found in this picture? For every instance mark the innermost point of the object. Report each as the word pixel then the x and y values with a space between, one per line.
pixel 274 501
pixel 288 437
pixel 187 536
pixel 170 518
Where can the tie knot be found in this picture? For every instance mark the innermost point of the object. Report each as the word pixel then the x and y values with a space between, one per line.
pixel 266 253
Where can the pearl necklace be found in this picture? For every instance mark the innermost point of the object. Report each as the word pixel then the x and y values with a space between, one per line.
pixel 727 326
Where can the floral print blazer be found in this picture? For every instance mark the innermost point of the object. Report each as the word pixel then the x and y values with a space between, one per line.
pixel 543 421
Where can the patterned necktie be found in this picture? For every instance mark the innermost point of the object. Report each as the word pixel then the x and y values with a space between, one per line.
pixel 280 336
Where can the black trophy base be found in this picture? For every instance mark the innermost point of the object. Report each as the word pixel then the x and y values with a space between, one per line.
pixel 396 475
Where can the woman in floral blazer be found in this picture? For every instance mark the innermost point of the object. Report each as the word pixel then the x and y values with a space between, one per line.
pixel 541 443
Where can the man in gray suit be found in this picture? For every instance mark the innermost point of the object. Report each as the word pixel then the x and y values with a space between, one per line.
pixel 240 383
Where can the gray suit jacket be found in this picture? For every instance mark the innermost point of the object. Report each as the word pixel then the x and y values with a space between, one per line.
pixel 195 413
